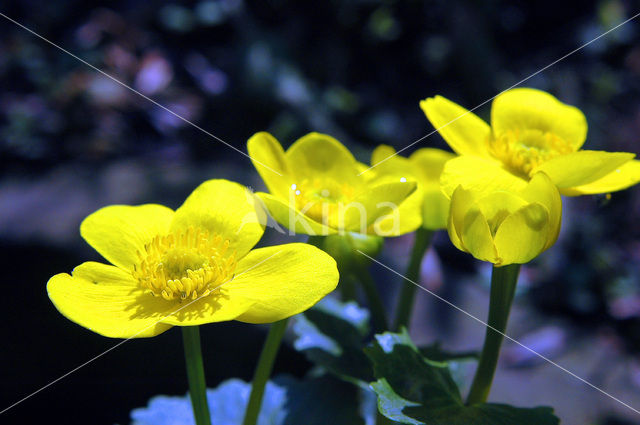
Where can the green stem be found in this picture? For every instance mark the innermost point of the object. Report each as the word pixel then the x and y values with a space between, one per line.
pixel 503 289
pixel 263 370
pixel 378 314
pixel 408 291
pixel 343 258
pixel 195 374
pixel 316 241
pixel 347 287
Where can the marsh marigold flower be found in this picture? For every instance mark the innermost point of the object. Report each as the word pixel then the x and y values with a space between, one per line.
pixel 317 187
pixel 188 267
pixel 425 167
pixel 506 227
pixel 531 131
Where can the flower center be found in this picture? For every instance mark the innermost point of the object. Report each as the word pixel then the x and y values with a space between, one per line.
pixel 321 198
pixel 189 264
pixel 522 150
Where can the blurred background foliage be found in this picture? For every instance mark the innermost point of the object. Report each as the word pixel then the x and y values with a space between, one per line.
pixel 72 140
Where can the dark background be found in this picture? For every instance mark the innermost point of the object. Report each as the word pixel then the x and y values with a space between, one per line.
pixel 72 140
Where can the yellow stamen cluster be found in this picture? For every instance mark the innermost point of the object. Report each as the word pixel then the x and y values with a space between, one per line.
pixel 522 150
pixel 189 264
pixel 320 198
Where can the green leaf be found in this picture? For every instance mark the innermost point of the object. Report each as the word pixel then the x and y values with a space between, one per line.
pixel 333 335
pixel 415 390
pixel 461 364
pixel 436 353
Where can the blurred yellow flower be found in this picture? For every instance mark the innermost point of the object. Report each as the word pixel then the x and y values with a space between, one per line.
pixel 425 167
pixel 317 188
pixel 531 131
pixel 188 267
pixel 506 227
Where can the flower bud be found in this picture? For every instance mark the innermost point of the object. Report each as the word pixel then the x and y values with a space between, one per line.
pixel 506 227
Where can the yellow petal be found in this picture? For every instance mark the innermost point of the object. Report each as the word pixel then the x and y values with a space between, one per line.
pixel 623 177
pixel 363 170
pixel 104 274
pixel 497 206
pixel 476 236
pixel 382 153
pixel 118 232
pixel 223 208
pixel 389 168
pixel 435 210
pixel 281 281
pixel 463 130
pixel 319 155
pixel 269 159
pixel 395 168
pixel 429 164
pixel 286 214
pixel 113 307
pixel 461 202
pixel 542 190
pixel 525 108
pixel 376 202
pixel 582 167
pixel 478 175
pixel 522 235
pixel 217 307
pixel 404 219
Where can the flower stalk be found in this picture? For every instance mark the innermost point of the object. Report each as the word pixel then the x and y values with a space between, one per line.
pixel 195 375
pixel 503 289
pixel 263 370
pixel 347 285
pixel 404 308
pixel 378 312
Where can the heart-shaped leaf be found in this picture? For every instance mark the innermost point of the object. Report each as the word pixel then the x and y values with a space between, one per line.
pixel 333 335
pixel 415 390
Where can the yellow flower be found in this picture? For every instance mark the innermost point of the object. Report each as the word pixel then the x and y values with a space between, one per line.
pixel 425 167
pixel 506 227
pixel 531 131
pixel 188 267
pixel 317 188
